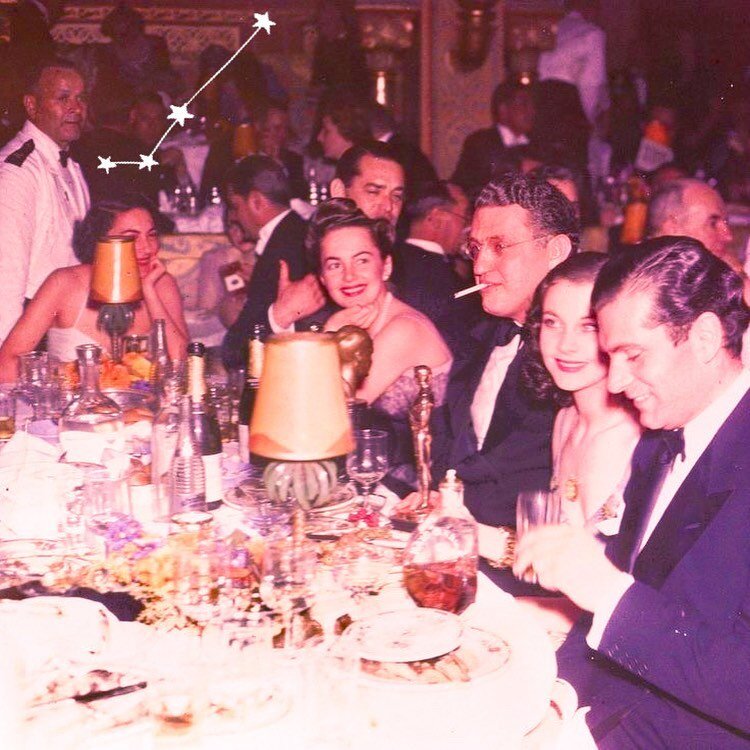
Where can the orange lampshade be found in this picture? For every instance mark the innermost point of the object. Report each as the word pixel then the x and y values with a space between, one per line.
pixel 114 275
pixel 300 410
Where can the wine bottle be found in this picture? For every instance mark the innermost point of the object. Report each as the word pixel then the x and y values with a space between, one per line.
pixel 250 390
pixel 205 424
pixel 187 481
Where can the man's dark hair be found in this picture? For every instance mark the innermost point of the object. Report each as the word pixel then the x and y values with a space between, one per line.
pixel 347 167
pixel 261 173
pixel 348 115
pixel 339 213
pixel 148 97
pixel 425 197
pixel 269 105
pixel 535 378
pixel 99 220
pixel 503 93
pixel 551 212
pixel 684 280
pixel 34 75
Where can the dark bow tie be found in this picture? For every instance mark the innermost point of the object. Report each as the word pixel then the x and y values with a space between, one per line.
pixel 64 156
pixel 506 330
pixel 674 445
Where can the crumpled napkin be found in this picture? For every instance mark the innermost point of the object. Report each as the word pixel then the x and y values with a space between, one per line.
pixel 24 448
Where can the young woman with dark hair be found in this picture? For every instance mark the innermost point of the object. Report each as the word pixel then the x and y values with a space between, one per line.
pixel 61 307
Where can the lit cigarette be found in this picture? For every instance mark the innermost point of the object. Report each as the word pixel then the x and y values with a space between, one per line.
pixel 470 290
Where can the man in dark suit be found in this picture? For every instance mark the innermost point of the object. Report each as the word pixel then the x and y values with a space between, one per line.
pixel 497 439
pixel 258 198
pixel 488 152
pixel 422 265
pixel 664 657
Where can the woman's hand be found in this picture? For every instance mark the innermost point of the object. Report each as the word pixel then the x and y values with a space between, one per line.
pixel 157 270
pixel 360 315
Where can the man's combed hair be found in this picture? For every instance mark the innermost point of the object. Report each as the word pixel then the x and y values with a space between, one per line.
pixel 348 166
pixel 339 213
pixel 535 378
pixel 551 212
pixel 668 202
pixel 685 281
pixel 261 173
pixel 425 197
pixel 34 75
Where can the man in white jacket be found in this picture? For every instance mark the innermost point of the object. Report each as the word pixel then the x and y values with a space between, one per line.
pixel 42 191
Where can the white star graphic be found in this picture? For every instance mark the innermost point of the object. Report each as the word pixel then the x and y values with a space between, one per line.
pixel 262 21
pixel 179 114
pixel 147 161
pixel 106 163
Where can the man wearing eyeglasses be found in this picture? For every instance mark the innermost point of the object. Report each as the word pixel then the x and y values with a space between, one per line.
pixel 496 439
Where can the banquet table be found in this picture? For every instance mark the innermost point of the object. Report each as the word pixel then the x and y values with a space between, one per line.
pixel 311 704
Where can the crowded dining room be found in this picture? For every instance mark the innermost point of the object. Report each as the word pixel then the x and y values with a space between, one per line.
pixel 373 374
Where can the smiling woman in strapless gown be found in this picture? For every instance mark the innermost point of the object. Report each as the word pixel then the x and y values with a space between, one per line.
pixel 61 307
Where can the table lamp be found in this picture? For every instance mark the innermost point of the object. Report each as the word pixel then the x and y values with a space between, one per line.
pixel 116 285
pixel 300 418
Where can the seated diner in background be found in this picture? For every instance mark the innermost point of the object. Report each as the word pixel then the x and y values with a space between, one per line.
pixel 61 308
pixel 352 255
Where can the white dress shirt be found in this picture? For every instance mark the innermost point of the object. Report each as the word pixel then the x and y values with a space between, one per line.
pixel 698 433
pixel 428 245
pixel 265 232
pixel 40 201
pixel 511 139
pixel 483 405
pixel 579 57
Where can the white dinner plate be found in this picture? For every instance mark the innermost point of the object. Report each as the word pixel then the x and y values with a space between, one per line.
pixel 405 635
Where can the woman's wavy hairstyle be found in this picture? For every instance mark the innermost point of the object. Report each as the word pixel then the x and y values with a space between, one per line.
pixel 338 213
pixel 99 220
pixel 535 378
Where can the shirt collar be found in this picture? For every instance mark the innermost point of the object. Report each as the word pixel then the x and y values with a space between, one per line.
pixel 510 138
pixel 700 430
pixel 428 245
pixel 42 142
pixel 267 230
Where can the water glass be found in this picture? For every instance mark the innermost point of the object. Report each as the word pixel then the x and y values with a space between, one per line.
pixel 7 415
pixel 535 508
pixel 106 502
pixel 367 464
pixel 200 579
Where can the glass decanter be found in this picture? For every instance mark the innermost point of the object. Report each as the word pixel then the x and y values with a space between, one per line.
pixel 91 423
pixel 440 559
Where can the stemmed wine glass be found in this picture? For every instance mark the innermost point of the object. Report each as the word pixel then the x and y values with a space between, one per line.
pixel 362 570
pixel 288 573
pixel 367 464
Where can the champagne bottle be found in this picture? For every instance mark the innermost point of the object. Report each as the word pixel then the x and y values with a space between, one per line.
pixel 187 481
pixel 205 424
pixel 250 390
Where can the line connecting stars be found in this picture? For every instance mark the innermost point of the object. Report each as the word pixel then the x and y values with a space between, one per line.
pixel 178 115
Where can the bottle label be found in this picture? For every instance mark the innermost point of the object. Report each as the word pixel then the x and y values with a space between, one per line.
pixel 212 469
pixel 244 438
